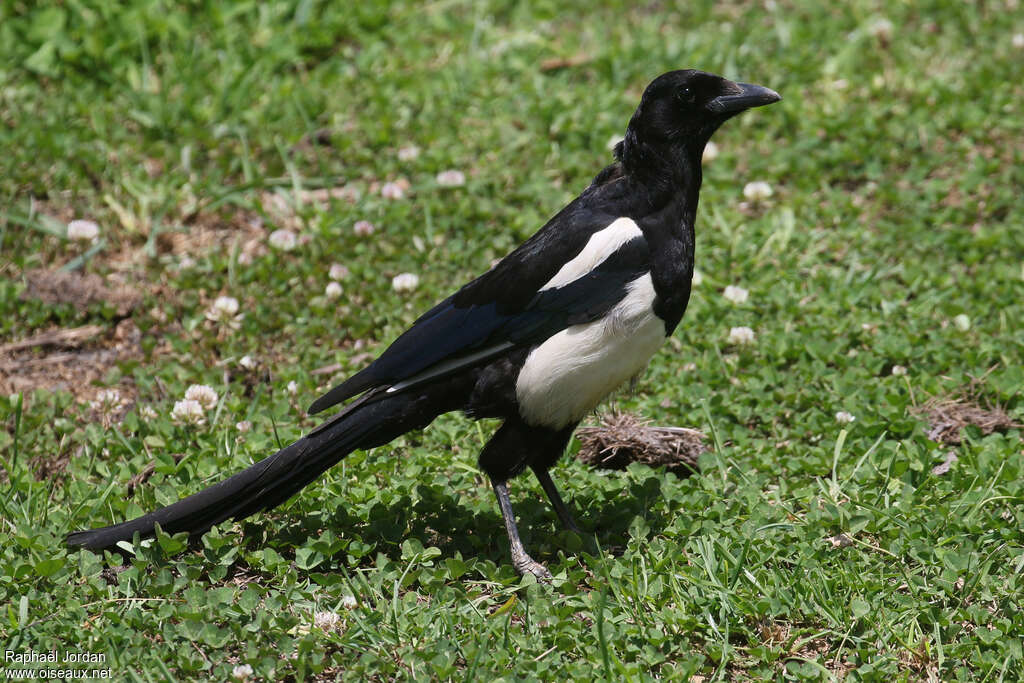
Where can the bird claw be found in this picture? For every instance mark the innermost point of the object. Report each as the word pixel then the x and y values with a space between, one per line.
pixel 525 565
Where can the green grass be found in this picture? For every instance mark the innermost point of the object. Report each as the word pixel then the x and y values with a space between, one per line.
pixel 803 548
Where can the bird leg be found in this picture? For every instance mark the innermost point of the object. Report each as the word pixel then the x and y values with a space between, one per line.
pixel 520 560
pixel 544 477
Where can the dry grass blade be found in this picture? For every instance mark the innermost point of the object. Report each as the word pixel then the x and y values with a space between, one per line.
pixel 623 438
pixel 71 337
pixel 146 472
pixel 556 63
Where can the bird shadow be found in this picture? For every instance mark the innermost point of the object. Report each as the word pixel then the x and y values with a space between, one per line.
pixel 437 516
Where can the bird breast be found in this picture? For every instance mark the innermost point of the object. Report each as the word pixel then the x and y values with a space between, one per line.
pixel 566 376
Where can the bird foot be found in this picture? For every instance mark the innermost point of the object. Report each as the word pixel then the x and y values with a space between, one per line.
pixel 527 565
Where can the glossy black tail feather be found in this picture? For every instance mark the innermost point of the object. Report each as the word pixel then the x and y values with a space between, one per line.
pixel 277 478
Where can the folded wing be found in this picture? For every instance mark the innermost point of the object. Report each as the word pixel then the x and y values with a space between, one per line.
pixel 485 319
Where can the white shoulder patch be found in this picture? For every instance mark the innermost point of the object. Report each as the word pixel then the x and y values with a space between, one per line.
pixel 600 246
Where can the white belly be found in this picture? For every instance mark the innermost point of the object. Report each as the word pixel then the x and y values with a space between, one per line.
pixel 565 378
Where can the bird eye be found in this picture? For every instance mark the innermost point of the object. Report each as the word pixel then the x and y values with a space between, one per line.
pixel 685 95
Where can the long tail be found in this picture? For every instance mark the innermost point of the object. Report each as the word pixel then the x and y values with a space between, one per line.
pixel 277 478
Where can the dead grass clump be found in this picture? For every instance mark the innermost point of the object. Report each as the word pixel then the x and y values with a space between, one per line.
pixel 623 438
pixel 947 416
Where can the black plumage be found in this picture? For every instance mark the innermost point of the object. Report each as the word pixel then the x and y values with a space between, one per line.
pixel 538 340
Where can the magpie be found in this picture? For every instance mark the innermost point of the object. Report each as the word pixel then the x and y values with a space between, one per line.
pixel 539 340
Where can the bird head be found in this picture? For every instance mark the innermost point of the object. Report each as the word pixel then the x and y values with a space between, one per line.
pixel 684 108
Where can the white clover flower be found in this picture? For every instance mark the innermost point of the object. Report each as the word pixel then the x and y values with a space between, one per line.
pixel 107 403
pixel 243 426
pixel 899 370
pixel 338 272
pixel 735 294
pixel 83 230
pixel 147 413
pixel 202 394
pixel 241 672
pixel 223 309
pixel 881 28
pixel 843 417
pixel 282 239
pixel 451 178
pixel 741 335
pixel 110 396
pixel 326 621
pixel 247 362
pixel 710 152
pixel 698 278
pixel 408 153
pixel 186 262
pixel 757 190
pixel 613 141
pixel 405 282
pixel 363 228
pixel 293 387
pixel 332 290
pixel 962 322
pixel 349 602
pixel 1018 41
pixel 107 398
pixel 188 412
pixel 392 191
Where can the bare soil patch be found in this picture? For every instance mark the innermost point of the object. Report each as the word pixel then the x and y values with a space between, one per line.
pixel 74 360
pixel 80 290
pixel 241 229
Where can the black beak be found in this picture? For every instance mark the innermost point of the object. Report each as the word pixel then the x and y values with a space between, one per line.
pixel 748 95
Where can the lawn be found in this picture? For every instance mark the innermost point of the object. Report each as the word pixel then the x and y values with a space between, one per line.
pixel 858 513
